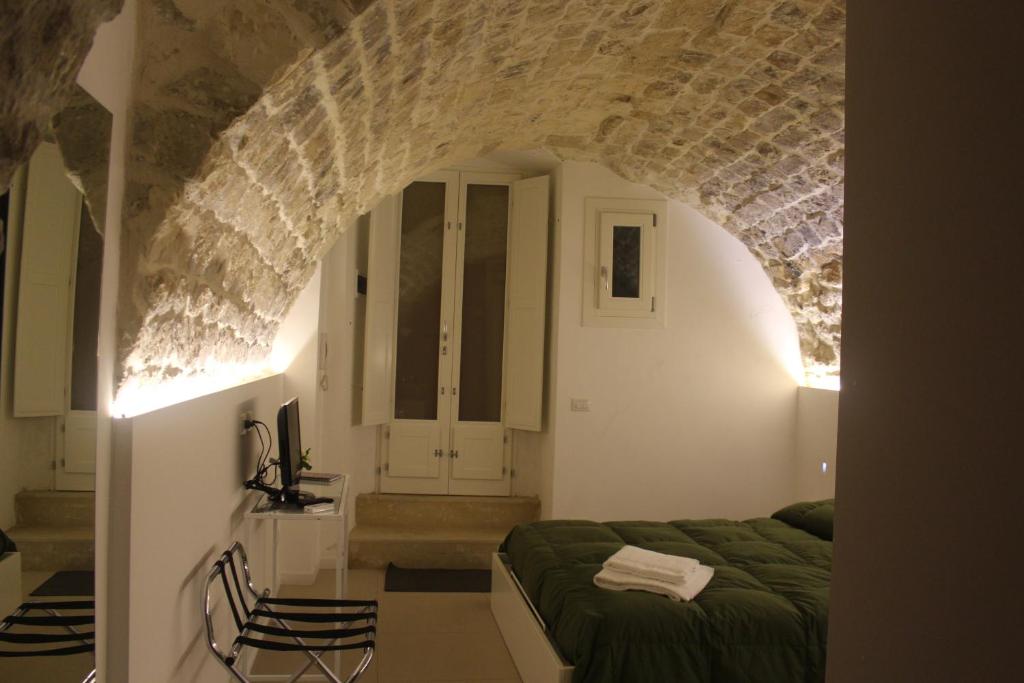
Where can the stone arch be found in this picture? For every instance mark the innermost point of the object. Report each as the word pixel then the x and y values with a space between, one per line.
pixel 735 107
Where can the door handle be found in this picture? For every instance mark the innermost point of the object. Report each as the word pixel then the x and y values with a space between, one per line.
pixel 453 454
pixel 438 453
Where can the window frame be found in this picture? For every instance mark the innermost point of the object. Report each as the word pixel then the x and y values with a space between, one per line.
pixel 600 308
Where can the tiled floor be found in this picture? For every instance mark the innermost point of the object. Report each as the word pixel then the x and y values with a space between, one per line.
pixel 69 669
pixel 437 637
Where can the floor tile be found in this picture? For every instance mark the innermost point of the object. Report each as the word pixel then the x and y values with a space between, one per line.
pixel 435 613
pixel 427 637
pixel 71 669
pixel 444 656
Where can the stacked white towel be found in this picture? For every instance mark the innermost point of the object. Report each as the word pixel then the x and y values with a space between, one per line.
pixel 632 568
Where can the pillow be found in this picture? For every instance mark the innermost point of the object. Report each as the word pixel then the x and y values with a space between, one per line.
pixel 814 517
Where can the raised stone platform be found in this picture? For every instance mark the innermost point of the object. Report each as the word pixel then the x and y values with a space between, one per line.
pixel 55 530
pixel 428 532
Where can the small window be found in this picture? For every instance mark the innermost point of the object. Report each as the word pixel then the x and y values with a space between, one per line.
pixel 624 251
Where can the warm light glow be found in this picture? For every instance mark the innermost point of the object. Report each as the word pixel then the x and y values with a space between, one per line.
pixel 821 377
pixel 136 396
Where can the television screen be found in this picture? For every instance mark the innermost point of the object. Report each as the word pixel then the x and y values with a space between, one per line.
pixel 289 442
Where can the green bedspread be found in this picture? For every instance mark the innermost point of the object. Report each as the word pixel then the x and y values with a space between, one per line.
pixel 762 619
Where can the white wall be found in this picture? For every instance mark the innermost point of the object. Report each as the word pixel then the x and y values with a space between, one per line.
pixel 694 420
pixel 347 447
pixel 108 75
pixel 186 499
pixel 294 352
pixel 817 423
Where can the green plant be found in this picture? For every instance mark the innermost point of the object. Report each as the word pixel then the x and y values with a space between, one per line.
pixel 304 463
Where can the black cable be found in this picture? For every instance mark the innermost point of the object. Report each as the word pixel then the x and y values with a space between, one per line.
pixel 263 464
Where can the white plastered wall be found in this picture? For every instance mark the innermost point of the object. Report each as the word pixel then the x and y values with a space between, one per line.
pixel 347 446
pixel 186 505
pixel 108 75
pixel 295 354
pixel 817 425
pixel 697 419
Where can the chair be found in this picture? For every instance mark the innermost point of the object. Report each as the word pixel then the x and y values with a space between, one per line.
pixel 342 616
pixel 55 643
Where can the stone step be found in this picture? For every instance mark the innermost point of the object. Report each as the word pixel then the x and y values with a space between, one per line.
pixel 55 508
pixel 54 548
pixel 500 514
pixel 373 547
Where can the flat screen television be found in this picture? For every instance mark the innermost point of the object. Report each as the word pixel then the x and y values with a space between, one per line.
pixel 289 443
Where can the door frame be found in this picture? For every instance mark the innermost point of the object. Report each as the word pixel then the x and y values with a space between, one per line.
pixel 65 479
pixel 439 484
pixel 451 296
pixel 481 487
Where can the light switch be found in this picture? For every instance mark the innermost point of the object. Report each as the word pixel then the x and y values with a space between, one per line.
pixel 580 405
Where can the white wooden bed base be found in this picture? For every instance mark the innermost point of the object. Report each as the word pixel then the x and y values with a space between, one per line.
pixel 535 656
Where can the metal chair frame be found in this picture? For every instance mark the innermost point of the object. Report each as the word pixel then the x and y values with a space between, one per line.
pixel 22 617
pixel 247 621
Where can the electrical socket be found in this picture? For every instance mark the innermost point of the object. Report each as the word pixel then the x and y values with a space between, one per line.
pixel 247 416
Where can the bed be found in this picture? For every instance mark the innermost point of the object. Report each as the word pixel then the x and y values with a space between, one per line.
pixel 763 617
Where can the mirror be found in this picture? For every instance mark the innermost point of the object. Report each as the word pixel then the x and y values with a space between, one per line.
pixel 51 259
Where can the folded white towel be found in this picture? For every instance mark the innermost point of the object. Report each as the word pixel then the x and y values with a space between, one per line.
pixel 650 564
pixel 678 590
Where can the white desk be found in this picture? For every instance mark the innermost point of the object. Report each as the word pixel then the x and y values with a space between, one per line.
pixel 265 510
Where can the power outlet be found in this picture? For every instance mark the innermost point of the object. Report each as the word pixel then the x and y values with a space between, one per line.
pixel 247 417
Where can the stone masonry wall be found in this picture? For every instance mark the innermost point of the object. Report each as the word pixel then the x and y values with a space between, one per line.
pixel 733 106
pixel 43 44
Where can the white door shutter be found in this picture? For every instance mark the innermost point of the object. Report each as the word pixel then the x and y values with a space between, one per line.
pixel 80 442
pixel 527 293
pixel 379 337
pixel 52 211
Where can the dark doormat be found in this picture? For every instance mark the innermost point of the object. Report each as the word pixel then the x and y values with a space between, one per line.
pixel 398 580
pixel 67 583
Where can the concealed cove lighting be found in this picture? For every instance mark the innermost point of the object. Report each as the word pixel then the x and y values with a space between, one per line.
pixel 138 396
pixel 821 377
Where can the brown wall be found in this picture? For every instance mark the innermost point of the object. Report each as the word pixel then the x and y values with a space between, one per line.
pixel 929 555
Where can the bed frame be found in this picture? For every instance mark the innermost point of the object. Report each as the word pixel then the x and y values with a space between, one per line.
pixel 535 655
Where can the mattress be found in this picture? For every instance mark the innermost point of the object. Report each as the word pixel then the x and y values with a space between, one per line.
pixel 763 617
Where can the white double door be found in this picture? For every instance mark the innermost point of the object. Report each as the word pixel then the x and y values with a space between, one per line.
pixel 447 434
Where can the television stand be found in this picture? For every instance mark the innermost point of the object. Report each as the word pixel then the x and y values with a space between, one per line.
pixel 265 508
pixel 303 498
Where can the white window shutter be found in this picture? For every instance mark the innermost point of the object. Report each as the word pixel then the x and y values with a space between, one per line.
pixel 379 337
pixel 48 240
pixel 527 300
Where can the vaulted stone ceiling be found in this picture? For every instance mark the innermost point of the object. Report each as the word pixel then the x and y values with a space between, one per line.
pixel 736 107
pixel 43 44
pixel 264 127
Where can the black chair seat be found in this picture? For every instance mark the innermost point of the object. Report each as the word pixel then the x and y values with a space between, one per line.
pixel 28 616
pixel 344 624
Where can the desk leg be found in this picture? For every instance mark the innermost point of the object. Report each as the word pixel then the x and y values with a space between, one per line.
pixel 273 561
pixel 341 572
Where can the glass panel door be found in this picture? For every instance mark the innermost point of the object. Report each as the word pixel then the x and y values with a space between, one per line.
pixel 479 464
pixel 483 303
pixel 418 437
pixel 421 268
